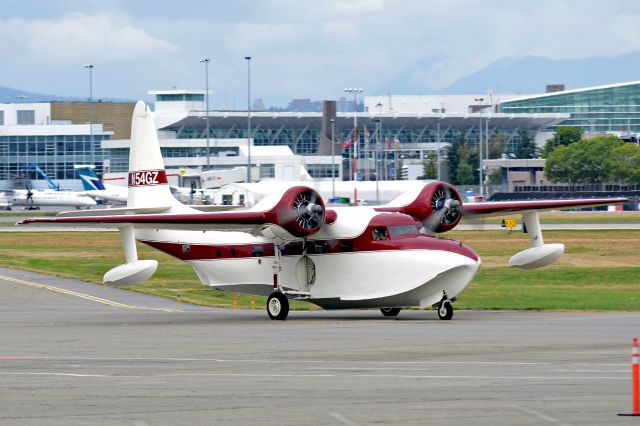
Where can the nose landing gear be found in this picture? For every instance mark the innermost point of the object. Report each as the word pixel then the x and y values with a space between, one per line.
pixel 445 310
pixel 390 312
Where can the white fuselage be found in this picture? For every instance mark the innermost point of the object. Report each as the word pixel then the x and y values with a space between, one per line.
pixel 364 278
pixel 49 197
pixel 111 193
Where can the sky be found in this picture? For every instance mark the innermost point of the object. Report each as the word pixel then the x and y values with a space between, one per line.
pixel 299 48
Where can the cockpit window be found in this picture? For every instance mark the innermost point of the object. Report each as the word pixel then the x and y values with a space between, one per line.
pixel 398 230
pixel 380 233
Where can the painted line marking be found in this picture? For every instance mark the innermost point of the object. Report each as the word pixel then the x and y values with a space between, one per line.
pixel 539 415
pixel 83 295
pixel 297 376
pixel 406 376
pixel 53 374
pixel 589 371
pixel 293 361
pixel 342 419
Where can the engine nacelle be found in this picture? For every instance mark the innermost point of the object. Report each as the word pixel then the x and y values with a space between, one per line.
pixel 438 206
pixel 537 257
pixel 131 273
pixel 300 211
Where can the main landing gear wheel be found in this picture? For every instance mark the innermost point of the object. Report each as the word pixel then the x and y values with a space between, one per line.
pixel 445 311
pixel 278 306
pixel 390 312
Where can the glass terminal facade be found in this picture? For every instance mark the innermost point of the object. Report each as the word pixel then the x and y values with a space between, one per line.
pixel 611 108
pixel 403 137
pixel 55 154
pixel 406 133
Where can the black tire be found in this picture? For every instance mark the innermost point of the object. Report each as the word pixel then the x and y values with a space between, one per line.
pixel 278 306
pixel 390 312
pixel 445 311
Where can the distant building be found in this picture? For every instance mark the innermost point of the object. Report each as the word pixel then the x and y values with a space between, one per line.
pixel 304 105
pixel 391 140
pixel 435 104
pixel 57 136
pixel 612 108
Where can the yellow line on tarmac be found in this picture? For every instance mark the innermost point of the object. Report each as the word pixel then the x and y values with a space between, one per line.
pixel 84 295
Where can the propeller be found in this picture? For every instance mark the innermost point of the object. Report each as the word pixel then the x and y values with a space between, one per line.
pixel 446 208
pixel 308 214
pixel 300 211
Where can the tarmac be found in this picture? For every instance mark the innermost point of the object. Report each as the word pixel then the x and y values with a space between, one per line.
pixel 75 353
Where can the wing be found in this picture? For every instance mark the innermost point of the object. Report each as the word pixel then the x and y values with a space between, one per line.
pixel 299 212
pixel 494 207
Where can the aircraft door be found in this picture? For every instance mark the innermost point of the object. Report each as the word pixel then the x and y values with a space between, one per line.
pixel 305 273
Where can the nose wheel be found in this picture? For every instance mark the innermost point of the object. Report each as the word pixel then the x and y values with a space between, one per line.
pixel 445 311
pixel 278 306
pixel 390 312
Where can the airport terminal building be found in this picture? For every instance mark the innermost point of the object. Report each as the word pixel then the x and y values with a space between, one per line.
pixel 284 145
pixel 391 139
pixel 612 108
pixel 57 136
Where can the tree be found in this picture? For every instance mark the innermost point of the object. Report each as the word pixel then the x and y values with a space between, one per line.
pixel 452 157
pixel 564 136
pixel 461 156
pixel 464 174
pixel 431 166
pixel 497 145
pixel 495 177
pixel 625 164
pixel 588 161
pixel 526 148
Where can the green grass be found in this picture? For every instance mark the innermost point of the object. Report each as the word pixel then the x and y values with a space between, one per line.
pixel 30 213
pixel 599 271
pixel 554 288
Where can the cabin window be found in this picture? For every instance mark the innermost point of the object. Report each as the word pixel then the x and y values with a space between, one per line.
pixel 398 230
pixel 257 251
pixel 232 251
pixel 380 233
pixel 218 252
pixel 321 247
pixel 346 245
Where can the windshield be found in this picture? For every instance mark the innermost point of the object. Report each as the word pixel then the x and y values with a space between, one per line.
pixel 398 230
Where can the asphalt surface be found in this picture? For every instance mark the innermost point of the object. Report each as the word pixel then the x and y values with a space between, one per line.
pixel 75 353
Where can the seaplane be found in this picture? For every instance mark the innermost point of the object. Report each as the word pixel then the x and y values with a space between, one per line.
pixel 290 245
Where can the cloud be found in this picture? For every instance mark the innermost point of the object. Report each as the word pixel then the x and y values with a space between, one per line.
pixel 81 36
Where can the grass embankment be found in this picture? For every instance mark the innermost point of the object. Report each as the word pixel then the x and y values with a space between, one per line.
pixel 599 271
pixel 567 217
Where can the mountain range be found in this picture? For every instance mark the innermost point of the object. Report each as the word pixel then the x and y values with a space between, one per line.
pixel 526 74
pixel 523 74
pixel 10 95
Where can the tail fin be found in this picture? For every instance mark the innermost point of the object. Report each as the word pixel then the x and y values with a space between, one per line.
pixel 148 185
pixel 90 181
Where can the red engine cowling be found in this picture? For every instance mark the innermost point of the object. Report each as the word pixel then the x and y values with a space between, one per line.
pixel 300 211
pixel 438 206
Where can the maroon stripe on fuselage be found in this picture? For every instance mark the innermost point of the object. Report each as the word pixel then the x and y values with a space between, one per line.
pixel 187 252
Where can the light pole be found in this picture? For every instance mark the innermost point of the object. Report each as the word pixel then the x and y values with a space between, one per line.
pixel 377 154
pixel 205 61
pixel 91 148
pixel 480 146
pixel 355 127
pixel 333 157
pixel 438 148
pixel 248 58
